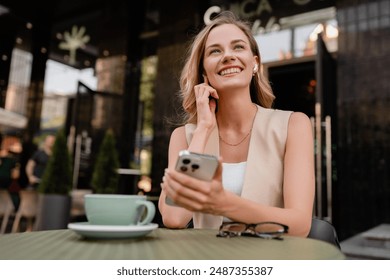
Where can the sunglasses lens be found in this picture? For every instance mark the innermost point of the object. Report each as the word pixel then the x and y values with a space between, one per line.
pixel 234 227
pixel 268 228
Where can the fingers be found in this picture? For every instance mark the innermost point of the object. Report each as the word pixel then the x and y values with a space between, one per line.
pixel 205 80
pixel 213 104
pixel 181 186
pixel 191 193
pixel 205 89
pixel 203 93
pixel 213 92
pixel 183 182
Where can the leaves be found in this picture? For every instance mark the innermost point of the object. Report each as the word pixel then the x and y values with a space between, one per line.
pixel 105 177
pixel 57 178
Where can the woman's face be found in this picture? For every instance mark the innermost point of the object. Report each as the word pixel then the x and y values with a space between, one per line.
pixel 228 60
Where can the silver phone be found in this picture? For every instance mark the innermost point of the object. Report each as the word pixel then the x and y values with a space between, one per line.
pixel 200 166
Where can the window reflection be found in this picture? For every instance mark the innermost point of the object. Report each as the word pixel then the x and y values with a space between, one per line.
pixel 297 41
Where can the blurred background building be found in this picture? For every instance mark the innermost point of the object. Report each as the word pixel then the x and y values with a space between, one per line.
pixel 93 65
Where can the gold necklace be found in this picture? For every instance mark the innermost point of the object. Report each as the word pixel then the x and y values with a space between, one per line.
pixel 242 140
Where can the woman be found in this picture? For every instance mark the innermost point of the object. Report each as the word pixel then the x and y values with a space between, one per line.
pixel 266 170
pixel 36 165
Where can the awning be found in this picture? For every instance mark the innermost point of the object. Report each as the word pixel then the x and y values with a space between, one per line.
pixel 12 119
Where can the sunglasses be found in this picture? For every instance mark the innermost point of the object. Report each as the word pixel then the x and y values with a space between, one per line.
pixel 267 230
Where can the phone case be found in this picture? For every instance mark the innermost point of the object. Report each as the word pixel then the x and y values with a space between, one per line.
pixel 200 166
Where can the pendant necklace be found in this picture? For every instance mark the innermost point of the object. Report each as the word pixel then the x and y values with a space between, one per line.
pixel 242 140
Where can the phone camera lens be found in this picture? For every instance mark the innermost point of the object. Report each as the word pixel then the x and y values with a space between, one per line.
pixel 186 161
pixel 183 168
pixel 195 166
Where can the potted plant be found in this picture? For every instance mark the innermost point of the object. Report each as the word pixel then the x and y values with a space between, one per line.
pixel 105 176
pixel 54 189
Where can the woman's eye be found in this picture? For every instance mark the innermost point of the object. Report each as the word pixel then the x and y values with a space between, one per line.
pixel 214 51
pixel 239 47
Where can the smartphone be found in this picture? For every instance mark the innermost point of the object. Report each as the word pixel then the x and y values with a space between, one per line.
pixel 200 166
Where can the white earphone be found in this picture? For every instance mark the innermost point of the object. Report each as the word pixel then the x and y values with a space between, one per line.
pixel 255 68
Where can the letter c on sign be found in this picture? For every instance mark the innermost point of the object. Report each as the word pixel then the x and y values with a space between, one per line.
pixel 209 12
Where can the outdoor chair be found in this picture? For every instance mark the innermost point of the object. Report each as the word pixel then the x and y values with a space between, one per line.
pixel 7 209
pixel 77 208
pixel 27 209
pixel 325 231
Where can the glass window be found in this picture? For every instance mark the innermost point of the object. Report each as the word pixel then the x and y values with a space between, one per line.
pixel 63 79
pixel 302 41
pixel 274 46
pixel 282 45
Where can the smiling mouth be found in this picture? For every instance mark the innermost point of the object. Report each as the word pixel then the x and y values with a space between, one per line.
pixel 230 71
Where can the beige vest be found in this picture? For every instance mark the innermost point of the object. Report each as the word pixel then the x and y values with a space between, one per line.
pixel 263 181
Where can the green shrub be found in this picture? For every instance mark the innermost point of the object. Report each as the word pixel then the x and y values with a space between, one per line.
pixel 57 177
pixel 105 177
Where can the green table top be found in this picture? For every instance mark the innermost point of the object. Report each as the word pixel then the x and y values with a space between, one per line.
pixel 160 244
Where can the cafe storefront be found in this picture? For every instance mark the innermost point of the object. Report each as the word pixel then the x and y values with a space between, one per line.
pixel 338 80
pixel 325 58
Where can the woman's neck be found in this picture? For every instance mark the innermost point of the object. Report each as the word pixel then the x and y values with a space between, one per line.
pixel 234 114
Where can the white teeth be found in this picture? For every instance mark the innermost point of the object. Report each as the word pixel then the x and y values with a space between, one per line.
pixel 230 71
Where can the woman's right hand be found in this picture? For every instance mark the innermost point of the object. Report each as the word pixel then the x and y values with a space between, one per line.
pixel 206 105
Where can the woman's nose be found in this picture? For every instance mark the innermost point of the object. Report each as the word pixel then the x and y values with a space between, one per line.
pixel 228 56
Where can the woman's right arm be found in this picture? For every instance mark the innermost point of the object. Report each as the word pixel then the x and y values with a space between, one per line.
pixel 174 216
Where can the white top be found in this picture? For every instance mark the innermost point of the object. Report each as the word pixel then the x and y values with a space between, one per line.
pixel 233 178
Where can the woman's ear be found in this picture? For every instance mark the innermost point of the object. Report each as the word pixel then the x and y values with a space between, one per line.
pixel 256 66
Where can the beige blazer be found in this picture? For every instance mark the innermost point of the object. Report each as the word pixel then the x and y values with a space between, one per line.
pixel 263 181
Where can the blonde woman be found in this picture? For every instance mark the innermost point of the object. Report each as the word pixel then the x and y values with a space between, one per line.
pixel 266 169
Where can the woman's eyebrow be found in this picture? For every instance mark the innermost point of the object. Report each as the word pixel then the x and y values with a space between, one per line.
pixel 239 41
pixel 232 42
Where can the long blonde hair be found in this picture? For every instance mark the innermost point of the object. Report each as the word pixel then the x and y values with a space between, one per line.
pixel 191 75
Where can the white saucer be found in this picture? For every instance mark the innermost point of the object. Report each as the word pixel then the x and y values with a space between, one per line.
pixel 108 232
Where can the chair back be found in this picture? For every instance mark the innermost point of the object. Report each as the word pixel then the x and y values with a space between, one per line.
pixel 28 203
pixel 6 204
pixel 7 209
pixel 28 208
pixel 325 231
pixel 77 208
